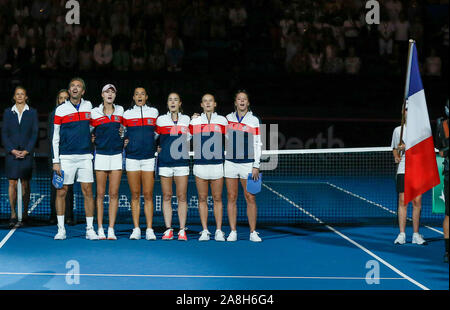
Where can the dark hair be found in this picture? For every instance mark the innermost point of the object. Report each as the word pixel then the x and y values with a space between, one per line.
pixel 241 91
pixel 79 80
pixel 59 93
pixel 180 109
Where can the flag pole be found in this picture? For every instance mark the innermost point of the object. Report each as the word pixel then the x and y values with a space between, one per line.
pixel 408 73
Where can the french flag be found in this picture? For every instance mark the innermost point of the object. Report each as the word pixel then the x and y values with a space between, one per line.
pixel 421 171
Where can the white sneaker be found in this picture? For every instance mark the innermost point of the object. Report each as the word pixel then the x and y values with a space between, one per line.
pixel 232 236
pixel 219 235
pixel 418 239
pixel 149 234
pixel 401 239
pixel 111 234
pixel 90 234
pixel 204 235
pixel 101 234
pixel 136 234
pixel 254 237
pixel 61 235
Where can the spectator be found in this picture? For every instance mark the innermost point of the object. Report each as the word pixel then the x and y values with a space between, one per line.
pixel 119 21
pixel 352 62
pixel 218 17
pixel 157 60
pixel 174 51
pixel 88 35
pixel 16 56
pixel 138 55
pixel 315 59
pixel 67 56
pixel 121 60
pixel 35 54
pixel 286 24
pixel 352 28
pixel 103 53
pixel 386 30
pixel 3 53
pixel 416 33
pixel 35 31
pixel 51 55
pixel 292 45
pixel 402 34
pixel 433 64
pixel 299 63
pixel 121 35
pixel 393 8
pixel 238 19
pixel 333 63
pixel 85 58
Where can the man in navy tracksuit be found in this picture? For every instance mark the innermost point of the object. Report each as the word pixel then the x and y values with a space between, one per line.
pixel 72 148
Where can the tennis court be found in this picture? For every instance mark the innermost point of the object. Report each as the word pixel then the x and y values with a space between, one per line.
pixel 327 219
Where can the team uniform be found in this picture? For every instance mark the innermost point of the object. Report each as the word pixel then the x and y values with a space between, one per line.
pixel 72 146
pixel 173 160
pixel 208 141
pixel 243 146
pixel 140 125
pixel 401 166
pixel 108 143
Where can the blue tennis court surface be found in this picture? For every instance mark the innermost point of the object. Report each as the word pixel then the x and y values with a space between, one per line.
pixel 359 255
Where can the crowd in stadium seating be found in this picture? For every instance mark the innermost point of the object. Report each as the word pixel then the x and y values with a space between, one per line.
pixel 136 35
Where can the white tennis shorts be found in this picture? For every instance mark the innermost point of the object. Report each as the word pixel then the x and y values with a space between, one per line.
pixel 81 168
pixel 173 171
pixel 237 170
pixel 209 172
pixel 140 164
pixel 108 162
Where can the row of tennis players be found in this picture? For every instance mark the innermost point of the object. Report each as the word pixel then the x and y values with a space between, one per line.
pixel 77 125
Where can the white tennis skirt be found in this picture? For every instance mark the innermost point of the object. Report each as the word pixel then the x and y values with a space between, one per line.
pixel 209 172
pixel 173 171
pixel 108 162
pixel 140 164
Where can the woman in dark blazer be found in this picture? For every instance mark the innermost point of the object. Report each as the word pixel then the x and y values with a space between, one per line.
pixel 61 97
pixel 19 136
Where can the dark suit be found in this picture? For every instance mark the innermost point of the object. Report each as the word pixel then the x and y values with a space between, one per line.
pixel 19 137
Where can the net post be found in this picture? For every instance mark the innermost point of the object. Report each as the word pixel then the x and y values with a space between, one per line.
pixel 19 200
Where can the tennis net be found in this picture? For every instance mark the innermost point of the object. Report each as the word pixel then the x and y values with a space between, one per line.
pixel 336 186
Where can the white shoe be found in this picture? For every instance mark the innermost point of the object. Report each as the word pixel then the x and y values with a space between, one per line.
pixel 90 234
pixel 219 235
pixel 204 235
pixel 401 239
pixel 232 236
pixel 418 239
pixel 61 235
pixel 111 234
pixel 149 234
pixel 101 234
pixel 136 234
pixel 254 237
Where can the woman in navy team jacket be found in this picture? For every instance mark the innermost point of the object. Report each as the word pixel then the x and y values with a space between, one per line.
pixel 19 136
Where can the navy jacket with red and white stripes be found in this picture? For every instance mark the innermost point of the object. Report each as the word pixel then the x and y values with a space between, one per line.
pixel 243 139
pixel 208 139
pixel 140 125
pixel 174 140
pixel 106 130
pixel 71 133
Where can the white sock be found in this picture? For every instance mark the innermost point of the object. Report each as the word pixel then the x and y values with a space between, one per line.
pixel 89 222
pixel 60 221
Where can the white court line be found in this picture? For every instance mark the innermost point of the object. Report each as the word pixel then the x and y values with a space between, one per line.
pixel 12 231
pixel 350 240
pixel 183 276
pixel 378 205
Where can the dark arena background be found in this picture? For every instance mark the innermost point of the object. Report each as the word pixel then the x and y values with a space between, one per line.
pixel 331 82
